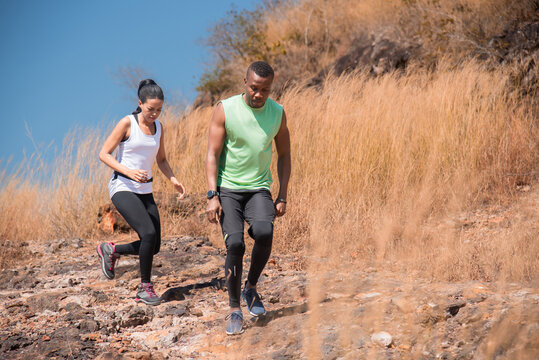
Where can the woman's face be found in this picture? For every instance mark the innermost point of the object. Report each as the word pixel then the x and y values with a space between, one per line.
pixel 151 109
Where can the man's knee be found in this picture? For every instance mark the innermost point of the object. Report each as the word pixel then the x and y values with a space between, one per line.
pixel 262 232
pixel 235 244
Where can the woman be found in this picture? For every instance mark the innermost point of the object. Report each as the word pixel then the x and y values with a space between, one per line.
pixel 139 138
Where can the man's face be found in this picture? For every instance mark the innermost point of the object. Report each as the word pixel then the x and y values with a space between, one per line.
pixel 257 89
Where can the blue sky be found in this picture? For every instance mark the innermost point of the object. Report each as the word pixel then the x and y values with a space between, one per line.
pixel 60 61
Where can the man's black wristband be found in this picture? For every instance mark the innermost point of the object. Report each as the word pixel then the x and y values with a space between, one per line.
pixel 211 194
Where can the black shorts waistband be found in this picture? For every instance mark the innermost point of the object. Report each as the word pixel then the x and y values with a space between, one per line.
pixel 116 174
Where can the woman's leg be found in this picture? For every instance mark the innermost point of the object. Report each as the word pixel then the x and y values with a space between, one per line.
pixel 151 207
pixel 133 208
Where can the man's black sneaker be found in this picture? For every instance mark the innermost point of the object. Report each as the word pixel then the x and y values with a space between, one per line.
pixel 254 304
pixel 234 323
pixel 147 295
pixel 108 258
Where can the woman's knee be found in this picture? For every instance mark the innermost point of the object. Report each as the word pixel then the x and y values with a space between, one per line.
pixel 148 235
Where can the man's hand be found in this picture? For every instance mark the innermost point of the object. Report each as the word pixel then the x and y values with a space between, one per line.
pixel 213 210
pixel 280 208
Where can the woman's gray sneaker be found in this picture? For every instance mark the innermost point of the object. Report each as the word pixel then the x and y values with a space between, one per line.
pixel 108 258
pixel 147 295
pixel 254 304
pixel 234 323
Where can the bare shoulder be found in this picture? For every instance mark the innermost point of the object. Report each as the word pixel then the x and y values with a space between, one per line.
pixel 283 119
pixel 125 121
pixel 219 114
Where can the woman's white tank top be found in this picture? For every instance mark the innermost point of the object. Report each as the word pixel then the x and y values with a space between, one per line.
pixel 137 152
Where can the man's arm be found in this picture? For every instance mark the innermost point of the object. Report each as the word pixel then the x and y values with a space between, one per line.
pixel 216 139
pixel 284 165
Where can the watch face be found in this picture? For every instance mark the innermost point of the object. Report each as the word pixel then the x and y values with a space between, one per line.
pixel 211 194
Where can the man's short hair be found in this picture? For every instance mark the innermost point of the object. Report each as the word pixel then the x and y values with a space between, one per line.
pixel 261 68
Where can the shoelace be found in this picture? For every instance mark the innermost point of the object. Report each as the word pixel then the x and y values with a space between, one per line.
pixel 149 289
pixel 235 314
pixel 254 294
pixel 113 258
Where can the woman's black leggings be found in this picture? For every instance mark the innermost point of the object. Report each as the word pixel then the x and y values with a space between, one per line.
pixel 140 212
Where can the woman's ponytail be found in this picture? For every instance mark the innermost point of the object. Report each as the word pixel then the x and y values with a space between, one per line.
pixel 148 89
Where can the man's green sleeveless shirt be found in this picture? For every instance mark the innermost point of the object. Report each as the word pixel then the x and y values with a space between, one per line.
pixel 246 155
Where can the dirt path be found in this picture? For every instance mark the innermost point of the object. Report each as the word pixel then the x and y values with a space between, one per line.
pixel 61 306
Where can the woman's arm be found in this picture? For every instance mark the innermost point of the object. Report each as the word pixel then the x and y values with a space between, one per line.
pixel 121 131
pixel 164 166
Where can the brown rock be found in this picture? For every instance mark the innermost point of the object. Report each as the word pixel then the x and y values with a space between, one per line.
pixel 110 220
pixel 91 337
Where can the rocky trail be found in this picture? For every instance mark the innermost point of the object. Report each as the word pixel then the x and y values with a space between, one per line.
pixel 60 306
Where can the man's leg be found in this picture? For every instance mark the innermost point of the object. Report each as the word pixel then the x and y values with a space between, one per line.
pixel 232 220
pixel 259 213
pixel 232 225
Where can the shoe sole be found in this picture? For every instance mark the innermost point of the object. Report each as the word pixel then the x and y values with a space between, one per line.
pixel 103 268
pixel 253 314
pixel 235 333
pixel 147 303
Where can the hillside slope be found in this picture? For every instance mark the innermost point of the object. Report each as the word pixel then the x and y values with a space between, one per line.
pixel 62 307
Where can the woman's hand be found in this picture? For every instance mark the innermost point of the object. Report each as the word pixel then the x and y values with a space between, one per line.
pixel 179 187
pixel 138 175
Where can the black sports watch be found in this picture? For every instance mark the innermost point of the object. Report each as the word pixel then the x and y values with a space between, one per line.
pixel 211 194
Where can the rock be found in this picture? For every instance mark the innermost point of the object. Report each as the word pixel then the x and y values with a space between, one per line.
pixel 175 310
pixel 453 308
pixel 136 316
pixel 196 312
pixel 367 296
pixel 379 52
pixel 42 302
pixel 15 342
pixel 139 355
pixel 162 338
pixel 468 315
pixel 429 315
pixel 99 297
pixel 110 220
pixel 90 337
pixel 403 304
pixel 382 338
pixel 88 325
pixel 109 356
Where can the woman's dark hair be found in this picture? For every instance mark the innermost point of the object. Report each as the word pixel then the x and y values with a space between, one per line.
pixel 148 89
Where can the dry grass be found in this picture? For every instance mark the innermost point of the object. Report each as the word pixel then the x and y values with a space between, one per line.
pixel 378 161
pixel 378 166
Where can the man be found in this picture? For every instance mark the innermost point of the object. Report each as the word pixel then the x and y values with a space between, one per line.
pixel 242 130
